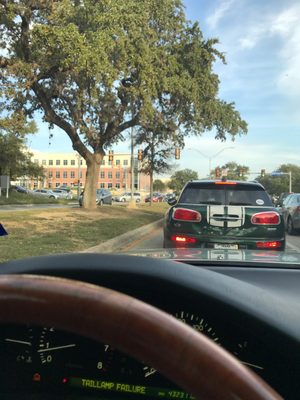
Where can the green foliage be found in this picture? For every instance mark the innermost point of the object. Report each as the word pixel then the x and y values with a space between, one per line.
pixel 180 178
pixel 276 185
pixel 159 185
pixel 97 68
pixel 15 160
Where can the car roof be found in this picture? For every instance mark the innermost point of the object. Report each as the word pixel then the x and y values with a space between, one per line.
pixel 213 181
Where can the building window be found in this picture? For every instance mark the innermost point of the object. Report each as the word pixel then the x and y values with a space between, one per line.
pixel 50 185
pixel 50 162
pixel 109 185
pixel 65 184
pixel 109 175
pixel 125 162
pixel 80 175
pixel 118 185
pixel 72 174
pixel 57 174
pixel 57 162
pixel 65 174
pixel 36 161
pixel 72 162
pixel 50 174
pixel 65 162
pixel 118 162
pixel 44 162
pixel 57 184
pixel 102 175
pixel 103 162
pixel 118 175
pixel 80 162
pixel 102 185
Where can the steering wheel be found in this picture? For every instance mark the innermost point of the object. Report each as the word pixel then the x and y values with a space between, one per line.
pixel 183 355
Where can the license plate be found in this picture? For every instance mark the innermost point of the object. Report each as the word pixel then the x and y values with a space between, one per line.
pixel 226 246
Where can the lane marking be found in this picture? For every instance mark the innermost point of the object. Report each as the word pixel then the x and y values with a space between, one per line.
pixel 293 247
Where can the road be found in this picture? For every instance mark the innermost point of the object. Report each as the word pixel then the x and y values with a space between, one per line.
pixel 155 241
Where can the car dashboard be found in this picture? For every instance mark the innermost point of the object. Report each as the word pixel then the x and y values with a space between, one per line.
pixel 251 312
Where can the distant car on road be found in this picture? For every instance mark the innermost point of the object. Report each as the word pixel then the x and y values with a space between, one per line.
pixel 126 196
pixel 156 198
pixel 291 213
pixel 103 196
pixel 46 193
pixel 63 194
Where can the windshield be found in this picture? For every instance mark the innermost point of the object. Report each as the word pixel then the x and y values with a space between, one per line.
pixel 178 125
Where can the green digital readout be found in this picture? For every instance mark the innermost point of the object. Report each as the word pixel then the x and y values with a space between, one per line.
pixel 128 388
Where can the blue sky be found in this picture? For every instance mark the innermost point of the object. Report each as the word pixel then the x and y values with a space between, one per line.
pixel 261 42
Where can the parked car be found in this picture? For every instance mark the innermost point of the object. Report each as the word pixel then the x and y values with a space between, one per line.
pixel 63 194
pixel 103 196
pixel 168 196
pixel 156 198
pixel 19 189
pixel 224 215
pixel 46 193
pixel 291 213
pixel 282 199
pixel 126 196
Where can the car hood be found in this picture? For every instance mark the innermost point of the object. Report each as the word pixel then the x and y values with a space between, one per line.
pixel 288 258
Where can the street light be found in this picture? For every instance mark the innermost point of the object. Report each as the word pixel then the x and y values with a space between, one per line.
pixel 211 157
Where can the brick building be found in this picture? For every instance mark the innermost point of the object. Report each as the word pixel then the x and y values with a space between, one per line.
pixel 66 169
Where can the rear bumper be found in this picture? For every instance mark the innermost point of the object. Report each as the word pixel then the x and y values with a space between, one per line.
pixel 229 243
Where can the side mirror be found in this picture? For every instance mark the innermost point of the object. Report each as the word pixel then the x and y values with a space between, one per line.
pixel 172 201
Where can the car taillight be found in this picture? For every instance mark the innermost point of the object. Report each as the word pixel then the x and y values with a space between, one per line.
pixel 266 218
pixel 183 239
pixel 184 214
pixel 268 245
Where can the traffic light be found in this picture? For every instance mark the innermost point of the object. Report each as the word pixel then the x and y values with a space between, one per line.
pixel 218 172
pixel 262 173
pixel 111 155
pixel 177 153
pixel 140 154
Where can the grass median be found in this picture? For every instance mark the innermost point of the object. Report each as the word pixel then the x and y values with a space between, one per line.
pixel 40 232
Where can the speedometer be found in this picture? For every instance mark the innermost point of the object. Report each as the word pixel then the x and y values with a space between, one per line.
pixel 199 323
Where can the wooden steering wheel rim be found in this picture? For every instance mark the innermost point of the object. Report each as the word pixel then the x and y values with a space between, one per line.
pixel 183 355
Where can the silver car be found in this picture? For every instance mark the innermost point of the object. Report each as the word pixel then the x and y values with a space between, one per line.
pixel 126 196
pixel 63 194
pixel 46 193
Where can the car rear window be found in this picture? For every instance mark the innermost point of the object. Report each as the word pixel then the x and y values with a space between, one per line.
pixel 242 195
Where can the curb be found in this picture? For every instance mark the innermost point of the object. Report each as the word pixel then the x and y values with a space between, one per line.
pixel 119 242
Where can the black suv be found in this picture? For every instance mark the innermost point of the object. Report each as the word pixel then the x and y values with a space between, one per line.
pixel 224 215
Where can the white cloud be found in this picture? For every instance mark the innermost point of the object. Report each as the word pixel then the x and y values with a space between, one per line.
pixel 219 13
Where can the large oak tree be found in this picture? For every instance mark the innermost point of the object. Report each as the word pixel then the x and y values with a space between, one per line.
pixel 96 68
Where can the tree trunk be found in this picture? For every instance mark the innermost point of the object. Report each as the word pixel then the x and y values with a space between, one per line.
pixel 151 187
pixel 91 182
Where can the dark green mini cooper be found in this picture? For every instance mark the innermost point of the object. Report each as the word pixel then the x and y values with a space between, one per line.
pixel 224 215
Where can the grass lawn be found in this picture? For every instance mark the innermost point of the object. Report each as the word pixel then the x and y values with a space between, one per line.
pixel 40 232
pixel 22 198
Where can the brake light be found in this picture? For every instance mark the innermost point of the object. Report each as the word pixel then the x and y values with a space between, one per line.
pixel 268 245
pixel 183 239
pixel 225 183
pixel 266 218
pixel 184 214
